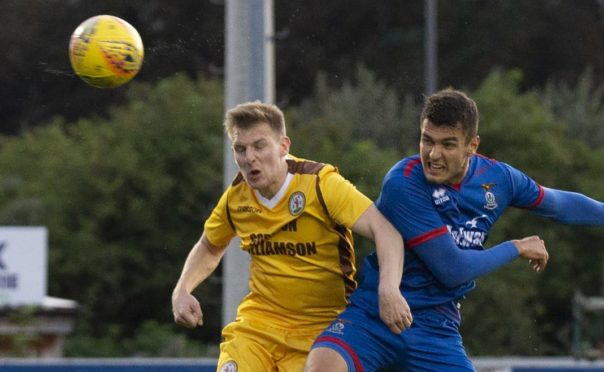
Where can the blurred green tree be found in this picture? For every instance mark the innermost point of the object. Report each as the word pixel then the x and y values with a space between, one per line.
pixel 124 199
pixel 581 105
pixel 356 127
pixel 514 311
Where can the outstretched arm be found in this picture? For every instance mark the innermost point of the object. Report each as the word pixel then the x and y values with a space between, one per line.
pixel 201 262
pixel 394 310
pixel 453 266
pixel 570 208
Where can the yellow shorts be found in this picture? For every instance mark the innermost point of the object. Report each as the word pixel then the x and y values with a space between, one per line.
pixel 253 346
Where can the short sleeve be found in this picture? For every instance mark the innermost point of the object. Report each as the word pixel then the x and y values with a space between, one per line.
pixel 407 204
pixel 344 202
pixel 526 193
pixel 217 227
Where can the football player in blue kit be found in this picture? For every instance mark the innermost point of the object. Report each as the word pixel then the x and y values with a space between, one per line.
pixel 443 201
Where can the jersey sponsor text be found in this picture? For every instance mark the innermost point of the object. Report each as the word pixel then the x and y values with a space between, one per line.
pixel 467 238
pixel 261 245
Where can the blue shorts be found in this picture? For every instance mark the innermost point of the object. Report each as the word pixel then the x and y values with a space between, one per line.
pixel 432 343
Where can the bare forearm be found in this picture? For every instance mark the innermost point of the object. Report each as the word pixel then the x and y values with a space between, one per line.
pixel 200 263
pixel 390 252
pixel 389 245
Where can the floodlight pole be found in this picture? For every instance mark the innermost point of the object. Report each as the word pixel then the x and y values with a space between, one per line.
pixel 249 59
pixel 430 46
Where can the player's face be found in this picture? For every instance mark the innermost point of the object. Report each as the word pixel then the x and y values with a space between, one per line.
pixel 444 152
pixel 260 155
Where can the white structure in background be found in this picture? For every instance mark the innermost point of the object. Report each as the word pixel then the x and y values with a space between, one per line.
pixel 23 265
pixel 250 75
pixel 26 311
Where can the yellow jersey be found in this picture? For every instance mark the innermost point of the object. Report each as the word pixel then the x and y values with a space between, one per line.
pixel 302 262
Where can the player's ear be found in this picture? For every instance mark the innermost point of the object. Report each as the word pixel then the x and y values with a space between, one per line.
pixel 285 144
pixel 474 142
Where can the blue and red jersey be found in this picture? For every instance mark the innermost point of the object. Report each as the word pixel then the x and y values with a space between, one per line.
pixel 445 228
pixel 436 221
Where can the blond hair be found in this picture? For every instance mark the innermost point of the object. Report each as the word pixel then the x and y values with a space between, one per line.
pixel 246 115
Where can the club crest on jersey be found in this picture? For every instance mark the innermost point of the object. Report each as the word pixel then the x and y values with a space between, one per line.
pixel 440 196
pixel 297 202
pixel 489 196
pixel 230 366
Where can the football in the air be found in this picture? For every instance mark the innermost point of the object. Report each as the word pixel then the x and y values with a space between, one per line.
pixel 106 51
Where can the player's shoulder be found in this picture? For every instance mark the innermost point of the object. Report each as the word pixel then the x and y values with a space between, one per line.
pixel 487 171
pixel 404 187
pixel 406 170
pixel 405 178
pixel 297 165
pixel 485 161
pixel 483 165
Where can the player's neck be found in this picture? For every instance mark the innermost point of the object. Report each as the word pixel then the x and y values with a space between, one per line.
pixel 459 178
pixel 275 187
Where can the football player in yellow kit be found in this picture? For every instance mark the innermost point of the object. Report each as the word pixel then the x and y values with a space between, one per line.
pixel 294 217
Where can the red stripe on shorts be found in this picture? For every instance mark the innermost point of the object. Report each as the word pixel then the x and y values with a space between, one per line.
pixel 343 345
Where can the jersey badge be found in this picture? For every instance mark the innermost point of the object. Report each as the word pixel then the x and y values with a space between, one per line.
pixel 297 202
pixel 336 327
pixel 489 196
pixel 230 366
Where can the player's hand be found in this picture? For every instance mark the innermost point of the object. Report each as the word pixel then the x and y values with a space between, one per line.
pixel 394 310
pixel 186 310
pixel 533 249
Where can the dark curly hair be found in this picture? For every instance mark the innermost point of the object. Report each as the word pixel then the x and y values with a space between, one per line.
pixel 450 107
